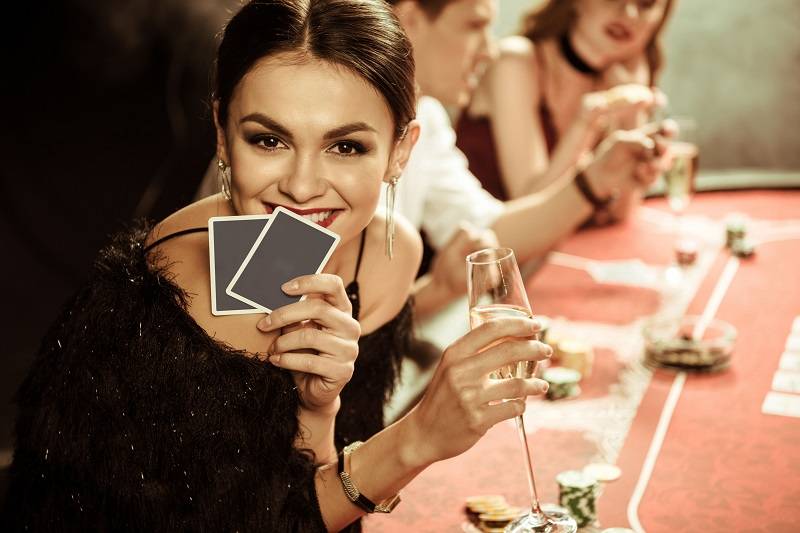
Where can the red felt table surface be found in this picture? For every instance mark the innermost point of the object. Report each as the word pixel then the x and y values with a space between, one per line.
pixel 723 465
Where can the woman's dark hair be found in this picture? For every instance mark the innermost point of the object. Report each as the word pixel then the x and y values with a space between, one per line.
pixel 361 35
pixel 554 18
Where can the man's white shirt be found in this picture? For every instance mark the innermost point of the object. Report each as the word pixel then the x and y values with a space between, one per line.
pixel 436 190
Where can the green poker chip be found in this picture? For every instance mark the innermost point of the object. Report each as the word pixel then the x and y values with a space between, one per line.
pixel 577 492
pixel 563 382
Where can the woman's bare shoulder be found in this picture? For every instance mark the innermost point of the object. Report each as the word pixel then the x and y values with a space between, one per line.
pixel 385 284
pixel 185 259
pixel 515 46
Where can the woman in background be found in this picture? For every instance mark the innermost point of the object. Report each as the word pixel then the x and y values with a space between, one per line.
pixel 582 71
pixel 145 412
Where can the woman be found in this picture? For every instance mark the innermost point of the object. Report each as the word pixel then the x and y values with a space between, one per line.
pixel 143 411
pixel 581 70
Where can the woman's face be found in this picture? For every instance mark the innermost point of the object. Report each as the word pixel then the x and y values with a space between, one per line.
pixel 618 29
pixel 311 137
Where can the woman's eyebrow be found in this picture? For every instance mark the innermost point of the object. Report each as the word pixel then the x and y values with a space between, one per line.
pixel 268 123
pixel 347 129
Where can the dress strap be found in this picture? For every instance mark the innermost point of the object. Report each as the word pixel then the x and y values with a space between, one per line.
pixel 172 236
pixel 352 287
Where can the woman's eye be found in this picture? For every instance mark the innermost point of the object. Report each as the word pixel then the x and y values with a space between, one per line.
pixel 347 148
pixel 269 142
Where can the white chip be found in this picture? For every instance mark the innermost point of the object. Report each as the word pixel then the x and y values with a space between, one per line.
pixel 603 471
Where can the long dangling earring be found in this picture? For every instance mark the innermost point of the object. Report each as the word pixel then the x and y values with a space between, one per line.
pixel 224 178
pixel 390 192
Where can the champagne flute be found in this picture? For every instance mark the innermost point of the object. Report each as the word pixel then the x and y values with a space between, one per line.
pixel 496 290
pixel 679 180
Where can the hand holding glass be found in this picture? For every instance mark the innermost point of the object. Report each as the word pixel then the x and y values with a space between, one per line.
pixel 496 290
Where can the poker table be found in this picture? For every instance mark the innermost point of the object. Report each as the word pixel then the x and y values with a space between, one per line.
pixel 697 451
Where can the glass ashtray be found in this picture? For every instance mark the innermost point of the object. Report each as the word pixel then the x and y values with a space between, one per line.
pixel 687 344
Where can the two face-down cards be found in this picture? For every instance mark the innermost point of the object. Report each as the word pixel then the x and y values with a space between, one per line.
pixel 251 256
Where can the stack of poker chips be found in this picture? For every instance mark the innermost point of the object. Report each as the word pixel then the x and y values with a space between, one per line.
pixel 686 252
pixel 576 492
pixel 736 238
pixel 563 383
pixel 577 355
pixel 491 513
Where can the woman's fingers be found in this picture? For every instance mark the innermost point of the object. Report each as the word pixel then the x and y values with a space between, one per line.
pixel 493 414
pixel 330 286
pixel 333 319
pixel 328 368
pixel 491 332
pixel 508 352
pixel 513 388
pixel 316 339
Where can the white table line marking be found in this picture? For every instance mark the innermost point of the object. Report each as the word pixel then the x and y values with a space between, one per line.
pixel 675 390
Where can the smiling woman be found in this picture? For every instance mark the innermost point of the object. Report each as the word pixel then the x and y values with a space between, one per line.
pixel 145 412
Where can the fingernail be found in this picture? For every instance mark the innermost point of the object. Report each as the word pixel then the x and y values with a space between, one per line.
pixel 290 286
pixel 548 350
pixel 274 359
pixel 545 387
pixel 264 323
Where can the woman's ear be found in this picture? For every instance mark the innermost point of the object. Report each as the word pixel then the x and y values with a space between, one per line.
pixel 222 146
pixel 402 151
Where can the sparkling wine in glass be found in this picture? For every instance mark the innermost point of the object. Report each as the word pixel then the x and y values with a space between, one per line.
pixel 496 290
pixel 679 183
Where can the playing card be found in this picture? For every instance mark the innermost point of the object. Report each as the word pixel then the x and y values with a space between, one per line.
pixel 786 381
pixel 229 241
pixel 778 403
pixel 289 246
pixel 625 272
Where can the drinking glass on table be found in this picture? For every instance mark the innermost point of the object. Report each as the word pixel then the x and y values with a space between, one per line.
pixel 495 290
pixel 679 184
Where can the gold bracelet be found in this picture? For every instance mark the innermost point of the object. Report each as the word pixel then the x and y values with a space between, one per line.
pixel 352 492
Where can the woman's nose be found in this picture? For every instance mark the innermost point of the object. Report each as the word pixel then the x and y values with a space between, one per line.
pixel 631 9
pixel 304 182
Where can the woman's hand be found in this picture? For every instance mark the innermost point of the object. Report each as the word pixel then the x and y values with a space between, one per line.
pixel 318 340
pixel 447 267
pixel 629 158
pixel 601 109
pixel 462 402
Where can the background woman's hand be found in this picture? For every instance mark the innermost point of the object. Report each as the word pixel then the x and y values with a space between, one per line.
pixel 318 340
pixel 620 104
pixel 629 158
pixel 462 402
pixel 447 267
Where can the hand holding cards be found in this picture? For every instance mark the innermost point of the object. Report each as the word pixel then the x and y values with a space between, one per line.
pixel 252 256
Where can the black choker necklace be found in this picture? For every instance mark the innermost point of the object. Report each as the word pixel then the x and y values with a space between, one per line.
pixel 574 59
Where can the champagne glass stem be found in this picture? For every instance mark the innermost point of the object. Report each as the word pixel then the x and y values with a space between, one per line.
pixel 523 438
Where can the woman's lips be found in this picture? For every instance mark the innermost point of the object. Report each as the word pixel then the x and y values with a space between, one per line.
pixel 321 216
pixel 619 32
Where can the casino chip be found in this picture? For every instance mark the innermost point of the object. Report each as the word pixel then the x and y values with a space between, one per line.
pixel 603 472
pixel 563 382
pixel 742 248
pixel 577 491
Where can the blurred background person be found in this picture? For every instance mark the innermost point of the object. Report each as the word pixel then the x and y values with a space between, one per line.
pixel 544 105
pixel 440 196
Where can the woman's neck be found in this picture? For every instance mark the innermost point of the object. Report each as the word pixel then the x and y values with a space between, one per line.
pixel 580 55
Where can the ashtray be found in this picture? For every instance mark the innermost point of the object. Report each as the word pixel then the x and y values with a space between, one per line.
pixel 680 344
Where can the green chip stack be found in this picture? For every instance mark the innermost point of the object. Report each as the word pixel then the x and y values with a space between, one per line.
pixel 563 382
pixel 735 230
pixel 576 492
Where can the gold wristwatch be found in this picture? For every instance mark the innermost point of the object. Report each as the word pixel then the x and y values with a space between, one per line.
pixel 386 506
